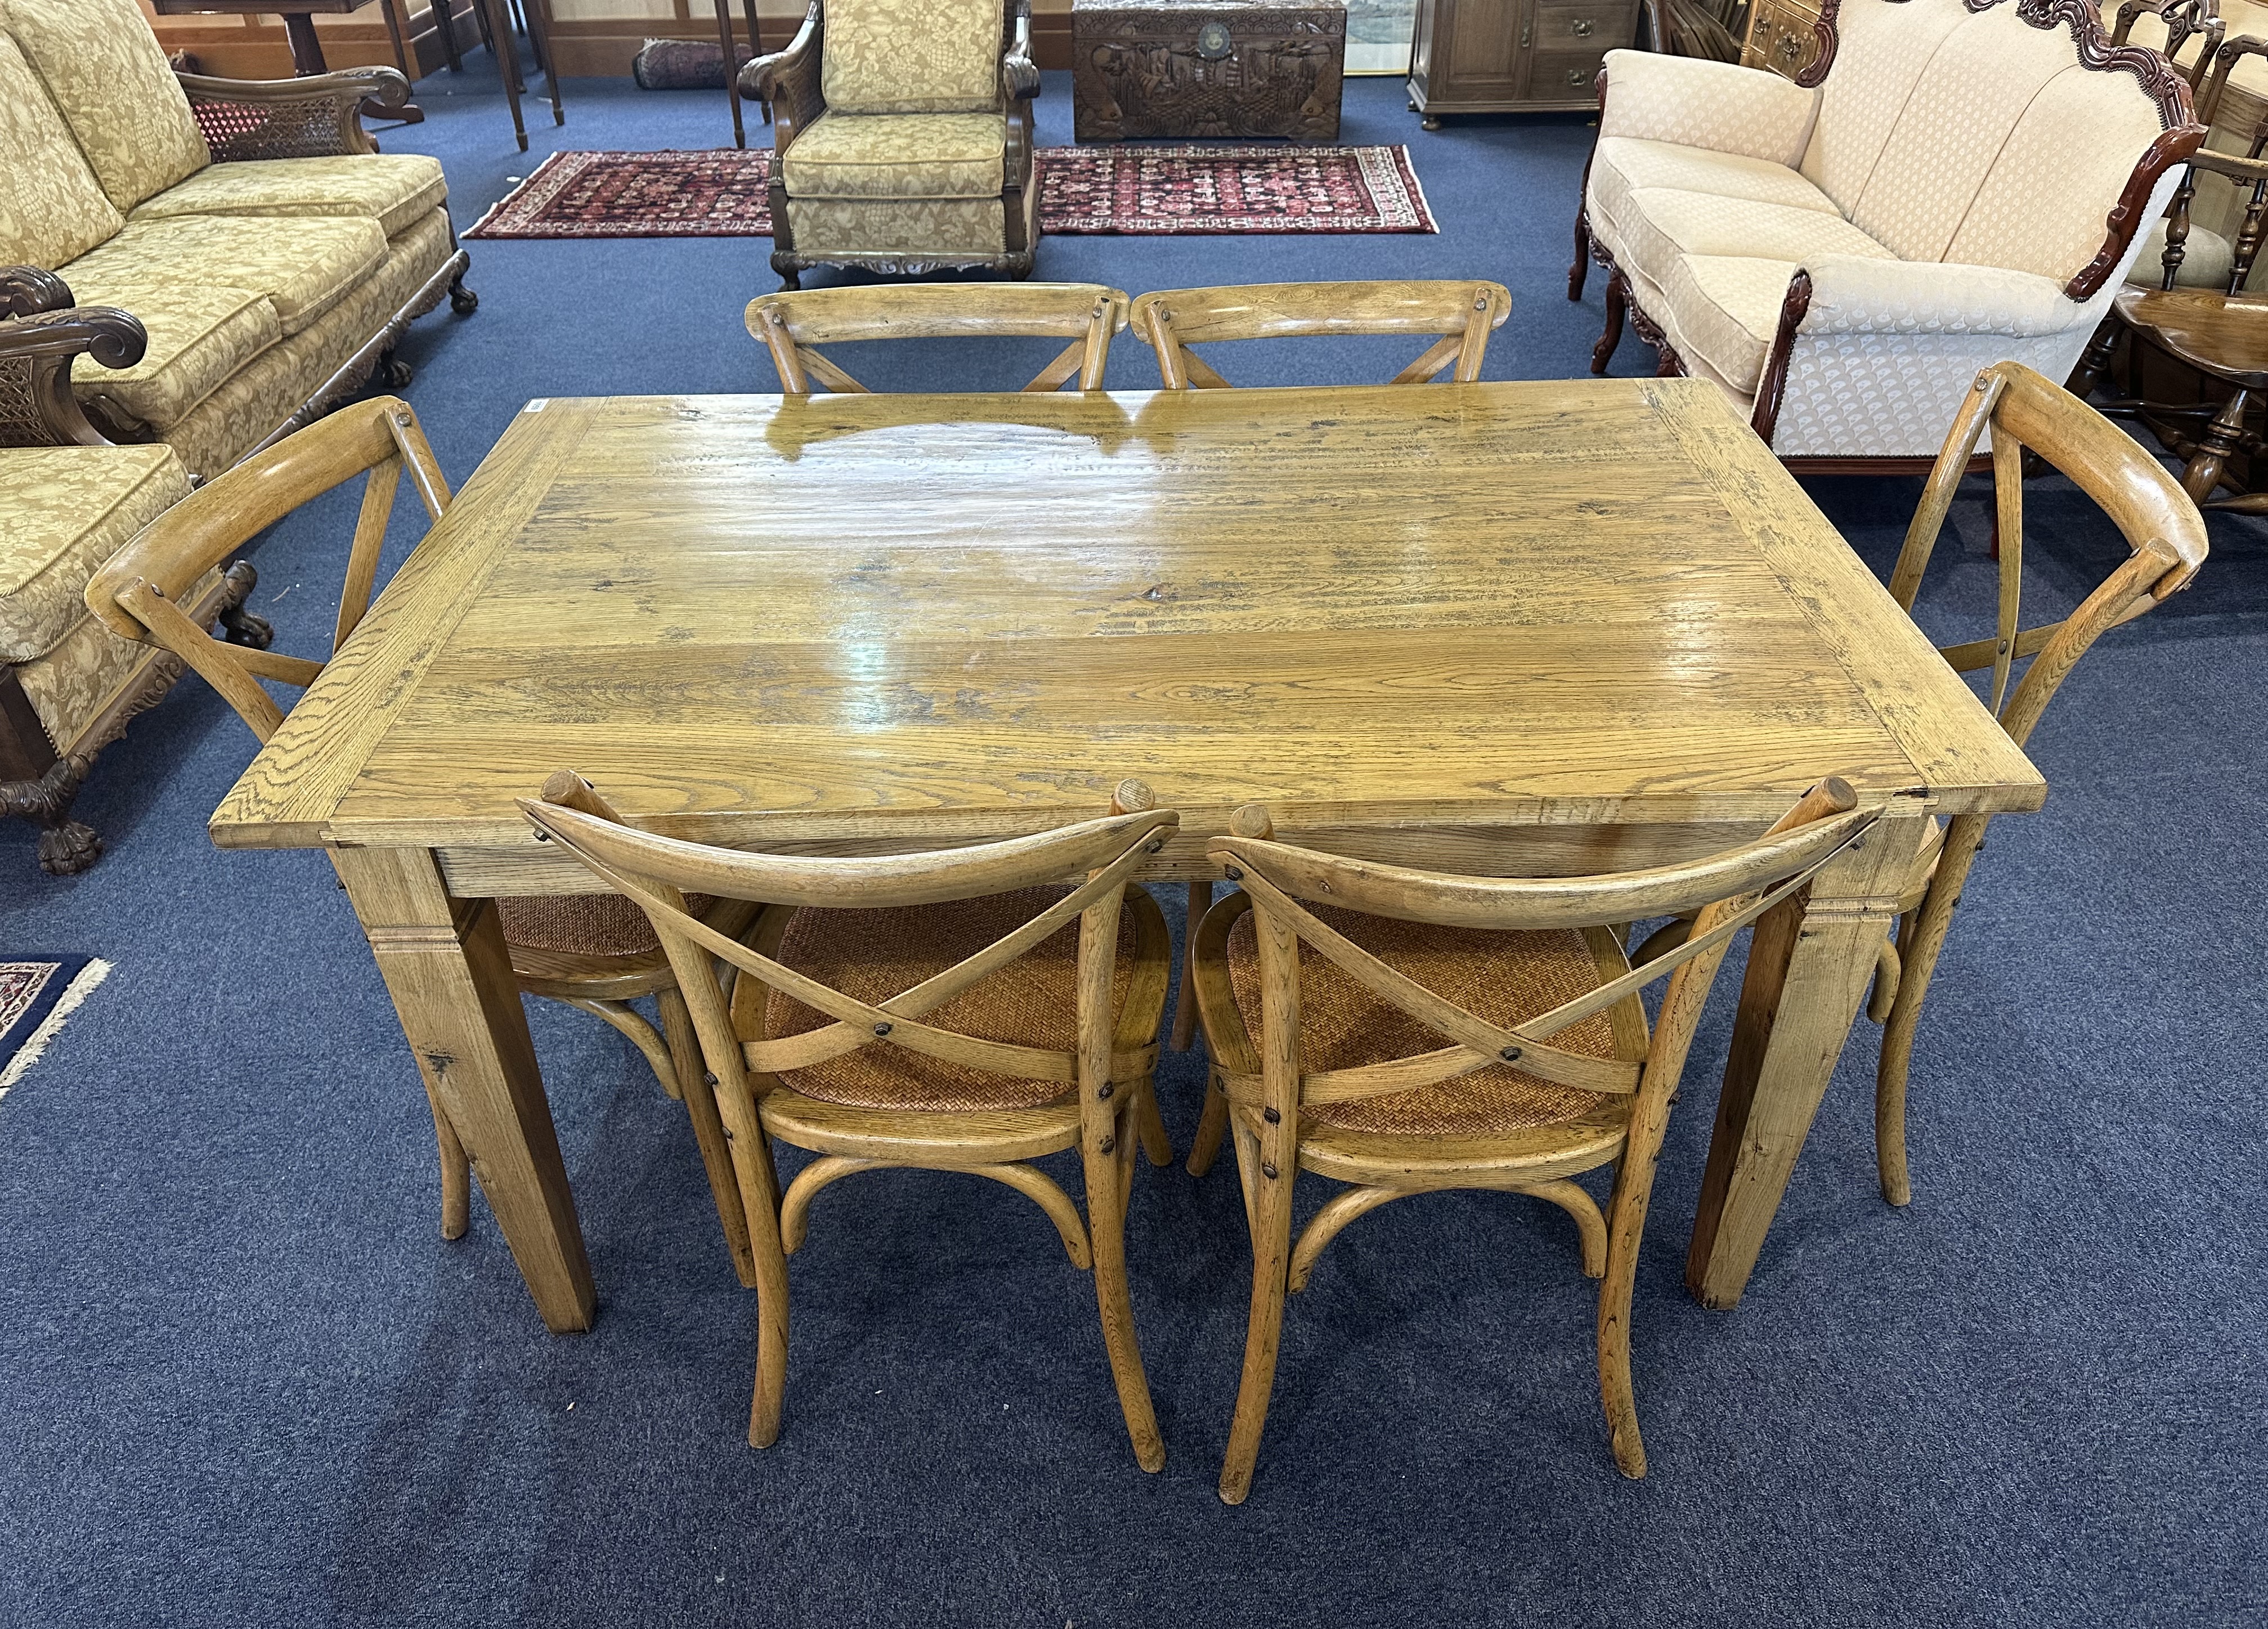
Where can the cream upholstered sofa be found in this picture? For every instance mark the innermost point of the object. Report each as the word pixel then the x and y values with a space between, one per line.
pixel 231 257
pixel 1964 181
pixel 902 136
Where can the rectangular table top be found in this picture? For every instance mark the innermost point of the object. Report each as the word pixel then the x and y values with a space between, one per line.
pixel 916 619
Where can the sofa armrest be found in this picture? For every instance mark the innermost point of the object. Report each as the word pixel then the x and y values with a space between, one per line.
pixel 1853 294
pixel 789 81
pixel 1019 78
pixel 37 406
pixel 318 117
pixel 1698 103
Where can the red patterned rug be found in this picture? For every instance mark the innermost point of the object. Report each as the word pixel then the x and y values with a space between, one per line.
pixel 1192 189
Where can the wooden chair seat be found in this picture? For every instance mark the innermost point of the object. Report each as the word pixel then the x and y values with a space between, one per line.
pixel 872 955
pixel 2223 334
pixel 1504 978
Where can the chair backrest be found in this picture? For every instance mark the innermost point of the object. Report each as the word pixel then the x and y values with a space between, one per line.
pixel 790 324
pixel 2246 180
pixel 139 590
pixel 1462 314
pixel 884 56
pixel 657 872
pixel 2160 522
pixel 1728 889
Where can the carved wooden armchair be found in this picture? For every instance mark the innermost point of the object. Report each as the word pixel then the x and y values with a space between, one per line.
pixel 903 137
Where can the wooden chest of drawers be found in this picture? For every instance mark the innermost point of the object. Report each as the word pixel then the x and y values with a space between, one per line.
pixel 1200 69
pixel 1783 37
pixel 1484 56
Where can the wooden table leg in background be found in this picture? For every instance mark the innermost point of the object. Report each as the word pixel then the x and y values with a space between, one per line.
pixel 1809 962
pixel 444 964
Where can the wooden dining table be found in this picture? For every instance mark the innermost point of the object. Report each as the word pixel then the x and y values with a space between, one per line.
pixel 1510 628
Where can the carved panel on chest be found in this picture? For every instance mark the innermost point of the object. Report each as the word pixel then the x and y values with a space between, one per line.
pixel 1185 68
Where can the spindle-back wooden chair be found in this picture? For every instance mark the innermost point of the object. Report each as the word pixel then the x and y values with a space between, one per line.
pixel 983 1014
pixel 1409 1032
pixel 2167 534
pixel 1461 314
pixel 590 951
pixel 790 324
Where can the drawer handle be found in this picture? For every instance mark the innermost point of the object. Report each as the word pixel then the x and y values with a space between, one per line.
pixel 1582 27
pixel 1524 32
pixel 1576 76
pixel 1789 48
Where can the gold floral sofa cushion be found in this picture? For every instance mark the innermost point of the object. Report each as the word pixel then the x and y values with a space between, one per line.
pixel 201 334
pixel 898 156
pixel 109 75
pixel 52 209
pixel 69 508
pixel 939 228
pixel 303 265
pixel 393 189
pixel 911 57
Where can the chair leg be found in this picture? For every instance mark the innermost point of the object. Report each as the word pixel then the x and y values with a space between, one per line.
pixel 755 48
pixel 1617 302
pixel 2222 438
pixel 692 1085
pixel 1925 940
pixel 456 1174
pixel 760 1195
pixel 1107 1183
pixel 1155 1142
pixel 1185 1003
pixel 1211 1126
pixel 444 22
pixel 732 79
pixel 498 31
pixel 1271 1258
pixel 2094 360
pixel 1614 1392
pixel 539 33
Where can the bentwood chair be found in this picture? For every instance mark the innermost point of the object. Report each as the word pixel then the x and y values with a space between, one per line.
pixel 590 952
pixel 1408 1031
pixel 1461 314
pixel 1170 320
pixel 2167 534
pixel 790 326
pixel 960 1010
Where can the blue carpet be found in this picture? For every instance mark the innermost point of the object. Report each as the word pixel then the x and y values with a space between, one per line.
pixel 243 1381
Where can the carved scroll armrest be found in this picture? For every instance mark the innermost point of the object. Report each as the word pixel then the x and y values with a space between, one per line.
pixel 788 80
pixel 318 117
pixel 1695 102
pixel 1020 79
pixel 36 407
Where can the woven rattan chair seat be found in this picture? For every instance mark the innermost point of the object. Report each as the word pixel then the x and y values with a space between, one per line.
pixel 1502 977
pixel 875 954
pixel 582 924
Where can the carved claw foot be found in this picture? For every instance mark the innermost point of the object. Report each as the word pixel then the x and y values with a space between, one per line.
pixel 68 849
pixel 393 372
pixel 462 300
pixel 242 628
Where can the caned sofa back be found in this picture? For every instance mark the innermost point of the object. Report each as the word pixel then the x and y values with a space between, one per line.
pixel 1980 136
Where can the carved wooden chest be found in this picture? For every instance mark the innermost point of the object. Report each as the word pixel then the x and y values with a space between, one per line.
pixel 1206 69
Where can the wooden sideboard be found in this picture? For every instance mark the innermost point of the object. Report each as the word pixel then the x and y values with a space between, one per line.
pixel 1494 56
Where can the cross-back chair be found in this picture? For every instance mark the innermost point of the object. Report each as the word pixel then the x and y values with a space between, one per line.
pixel 1409 1032
pixel 590 951
pixel 962 1010
pixel 792 323
pixel 2167 534
pixel 1462 315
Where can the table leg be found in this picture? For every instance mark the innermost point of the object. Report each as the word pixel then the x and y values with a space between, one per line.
pixel 444 964
pixel 498 27
pixel 408 113
pixel 1809 962
pixel 539 30
pixel 732 80
pixel 307 46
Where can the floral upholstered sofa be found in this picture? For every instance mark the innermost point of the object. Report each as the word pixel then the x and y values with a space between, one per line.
pixel 1953 183
pixel 229 259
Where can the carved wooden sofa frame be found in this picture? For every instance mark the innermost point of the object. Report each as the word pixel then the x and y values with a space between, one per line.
pixel 2166 83
pixel 788 82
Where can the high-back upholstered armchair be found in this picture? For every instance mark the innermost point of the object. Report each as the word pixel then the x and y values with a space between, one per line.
pixel 1960 182
pixel 903 136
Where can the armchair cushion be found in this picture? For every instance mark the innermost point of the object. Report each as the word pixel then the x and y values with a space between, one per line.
pixel 393 189
pixel 1727 311
pixel 911 57
pixel 936 230
pixel 200 335
pixel 303 266
pixel 898 156
pixel 109 76
pixel 1715 105
pixel 52 209
pixel 1623 164
pixel 69 508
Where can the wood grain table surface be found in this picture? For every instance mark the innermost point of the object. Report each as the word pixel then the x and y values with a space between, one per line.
pixel 1546 627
